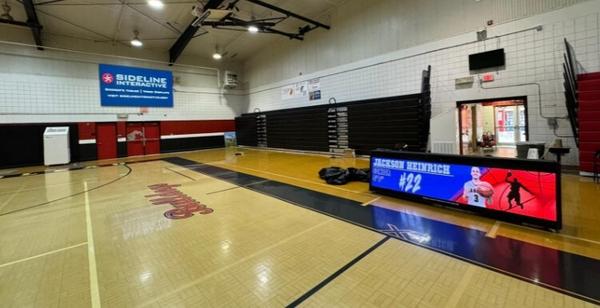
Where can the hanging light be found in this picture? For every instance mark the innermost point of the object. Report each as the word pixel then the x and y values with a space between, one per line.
pixel 136 42
pixel 217 55
pixel 156 4
pixel 253 29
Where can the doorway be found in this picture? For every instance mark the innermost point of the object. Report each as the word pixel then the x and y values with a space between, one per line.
pixel 492 127
pixel 143 138
pixel 106 140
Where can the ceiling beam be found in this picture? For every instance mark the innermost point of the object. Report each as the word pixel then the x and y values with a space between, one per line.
pixel 292 36
pixel 187 35
pixel 17 23
pixel 288 13
pixel 34 23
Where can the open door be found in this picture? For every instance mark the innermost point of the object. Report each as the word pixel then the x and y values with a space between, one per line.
pixel 492 127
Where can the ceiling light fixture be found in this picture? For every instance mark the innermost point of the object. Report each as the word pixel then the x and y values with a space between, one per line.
pixel 217 55
pixel 136 42
pixel 156 4
pixel 253 29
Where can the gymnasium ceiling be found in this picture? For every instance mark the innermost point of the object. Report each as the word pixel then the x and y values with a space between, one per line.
pixel 114 21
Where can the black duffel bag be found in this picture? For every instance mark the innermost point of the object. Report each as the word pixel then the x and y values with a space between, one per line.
pixel 341 176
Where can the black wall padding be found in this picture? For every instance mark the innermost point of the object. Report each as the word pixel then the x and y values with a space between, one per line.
pixel 189 144
pixel 298 129
pixel 22 144
pixel 245 129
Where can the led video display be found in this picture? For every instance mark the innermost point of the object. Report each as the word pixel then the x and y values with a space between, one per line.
pixel 511 191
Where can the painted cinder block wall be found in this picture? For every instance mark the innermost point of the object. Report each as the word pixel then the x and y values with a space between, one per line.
pixel 382 50
pixel 53 86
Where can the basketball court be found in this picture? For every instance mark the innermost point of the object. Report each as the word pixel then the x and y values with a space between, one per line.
pixel 93 237
pixel 280 153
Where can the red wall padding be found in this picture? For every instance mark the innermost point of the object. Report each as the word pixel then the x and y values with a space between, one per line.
pixel 196 127
pixel 87 130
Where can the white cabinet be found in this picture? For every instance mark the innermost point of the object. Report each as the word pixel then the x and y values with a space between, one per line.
pixel 56 146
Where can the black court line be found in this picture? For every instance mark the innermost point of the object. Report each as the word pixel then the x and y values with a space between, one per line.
pixel 75 168
pixel 222 190
pixel 236 187
pixel 129 170
pixel 183 175
pixel 333 276
pixel 564 272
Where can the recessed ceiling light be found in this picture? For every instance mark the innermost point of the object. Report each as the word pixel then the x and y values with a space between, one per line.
pixel 156 4
pixel 217 56
pixel 136 42
pixel 253 29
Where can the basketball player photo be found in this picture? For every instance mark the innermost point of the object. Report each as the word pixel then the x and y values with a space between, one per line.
pixel 477 192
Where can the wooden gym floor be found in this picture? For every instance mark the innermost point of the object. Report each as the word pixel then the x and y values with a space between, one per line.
pixel 278 236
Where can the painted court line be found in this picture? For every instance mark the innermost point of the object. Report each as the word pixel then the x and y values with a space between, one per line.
pixel 223 190
pixel 41 255
pixel 296 179
pixel 183 175
pixel 236 187
pixel 578 238
pixel 224 268
pixel 370 201
pixel 493 230
pixel 94 289
pixel 333 276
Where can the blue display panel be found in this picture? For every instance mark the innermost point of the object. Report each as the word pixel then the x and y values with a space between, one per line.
pixel 478 184
pixel 125 86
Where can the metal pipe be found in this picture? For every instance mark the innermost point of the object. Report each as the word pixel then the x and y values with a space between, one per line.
pixel 526 84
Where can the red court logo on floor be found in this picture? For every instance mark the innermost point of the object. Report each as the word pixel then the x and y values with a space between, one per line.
pixel 184 205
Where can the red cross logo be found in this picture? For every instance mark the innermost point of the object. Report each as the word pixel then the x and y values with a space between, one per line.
pixel 107 78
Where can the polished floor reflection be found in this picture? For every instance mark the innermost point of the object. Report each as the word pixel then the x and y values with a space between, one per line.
pixel 275 234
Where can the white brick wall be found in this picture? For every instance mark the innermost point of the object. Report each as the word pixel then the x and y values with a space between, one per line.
pixel 531 57
pixel 61 87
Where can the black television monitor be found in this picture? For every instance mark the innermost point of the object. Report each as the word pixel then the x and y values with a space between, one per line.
pixel 488 59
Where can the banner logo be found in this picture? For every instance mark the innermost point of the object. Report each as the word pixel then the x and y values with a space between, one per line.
pixel 108 78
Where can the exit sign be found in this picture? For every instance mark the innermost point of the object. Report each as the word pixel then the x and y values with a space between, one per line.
pixel 487 77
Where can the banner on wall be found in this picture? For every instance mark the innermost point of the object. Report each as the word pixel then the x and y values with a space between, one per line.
pixel 125 86
pixel 297 90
